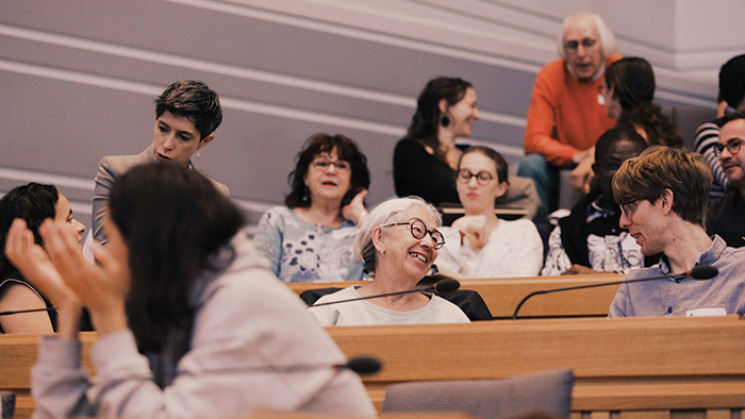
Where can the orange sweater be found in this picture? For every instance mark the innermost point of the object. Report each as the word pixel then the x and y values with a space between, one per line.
pixel 565 115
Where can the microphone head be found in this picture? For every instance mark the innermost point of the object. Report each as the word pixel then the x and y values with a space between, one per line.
pixel 446 285
pixel 702 272
pixel 364 365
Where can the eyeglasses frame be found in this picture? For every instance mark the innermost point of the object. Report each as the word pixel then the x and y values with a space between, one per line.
pixel 472 175
pixel 438 244
pixel 317 160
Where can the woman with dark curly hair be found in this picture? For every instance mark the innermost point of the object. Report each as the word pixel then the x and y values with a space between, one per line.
pixel 629 97
pixel 424 161
pixel 310 238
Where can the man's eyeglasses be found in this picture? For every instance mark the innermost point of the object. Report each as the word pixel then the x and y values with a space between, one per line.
pixel 733 146
pixel 628 207
pixel 419 230
pixel 573 46
pixel 323 164
pixel 483 177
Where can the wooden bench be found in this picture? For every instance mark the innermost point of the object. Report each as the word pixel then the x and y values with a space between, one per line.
pixel 18 353
pixel 503 294
pixel 660 368
pixel 636 368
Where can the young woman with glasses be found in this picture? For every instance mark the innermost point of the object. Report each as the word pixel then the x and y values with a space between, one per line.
pixel 310 238
pixel 398 242
pixel 480 245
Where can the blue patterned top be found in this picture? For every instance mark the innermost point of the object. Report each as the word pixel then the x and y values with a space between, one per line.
pixel 304 252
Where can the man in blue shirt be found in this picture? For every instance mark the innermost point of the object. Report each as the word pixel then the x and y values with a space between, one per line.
pixel 663 195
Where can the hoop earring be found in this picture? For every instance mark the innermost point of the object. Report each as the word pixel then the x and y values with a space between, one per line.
pixel 445 121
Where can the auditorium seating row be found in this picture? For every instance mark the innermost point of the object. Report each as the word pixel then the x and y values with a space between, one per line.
pixel 502 295
pixel 635 368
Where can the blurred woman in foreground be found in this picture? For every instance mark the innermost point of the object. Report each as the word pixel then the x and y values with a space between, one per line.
pixel 190 321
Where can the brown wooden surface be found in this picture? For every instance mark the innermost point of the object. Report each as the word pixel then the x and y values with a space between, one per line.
pixel 620 364
pixel 670 368
pixel 503 294
pixel 18 353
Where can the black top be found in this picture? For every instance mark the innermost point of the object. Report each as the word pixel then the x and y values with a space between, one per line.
pixel 726 217
pixel 575 229
pixel 416 172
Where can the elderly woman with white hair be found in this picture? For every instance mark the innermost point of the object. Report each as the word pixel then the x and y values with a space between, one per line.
pixel 398 242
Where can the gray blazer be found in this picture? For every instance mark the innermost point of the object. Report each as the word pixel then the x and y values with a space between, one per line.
pixel 109 170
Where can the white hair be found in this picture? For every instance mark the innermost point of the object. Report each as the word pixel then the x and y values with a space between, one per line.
pixel 388 212
pixel 607 40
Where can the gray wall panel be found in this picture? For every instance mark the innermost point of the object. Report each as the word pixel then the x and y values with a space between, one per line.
pixel 78 79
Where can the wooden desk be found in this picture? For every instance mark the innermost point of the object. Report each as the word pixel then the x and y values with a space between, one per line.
pixel 639 367
pixel 503 294
pixel 18 353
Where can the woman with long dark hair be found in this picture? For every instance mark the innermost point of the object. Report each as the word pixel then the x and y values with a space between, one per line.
pixel 190 321
pixel 424 161
pixel 629 97
pixel 33 203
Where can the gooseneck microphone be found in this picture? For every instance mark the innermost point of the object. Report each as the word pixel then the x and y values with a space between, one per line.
pixel 31 310
pixel 362 365
pixel 443 285
pixel 700 272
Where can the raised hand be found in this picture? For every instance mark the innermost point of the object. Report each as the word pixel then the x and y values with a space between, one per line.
pixel 474 229
pixel 355 211
pixel 578 270
pixel 34 263
pixel 102 287
pixel 582 175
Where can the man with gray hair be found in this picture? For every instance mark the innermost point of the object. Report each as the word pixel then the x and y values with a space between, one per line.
pixel 567 113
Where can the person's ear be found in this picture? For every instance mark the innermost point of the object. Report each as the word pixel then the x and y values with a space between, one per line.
pixel 502 188
pixel 443 105
pixel 378 239
pixel 204 141
pixel 667 199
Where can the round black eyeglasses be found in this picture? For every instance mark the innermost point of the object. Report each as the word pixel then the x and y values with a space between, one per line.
pixel 483 177
pixel 419 230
